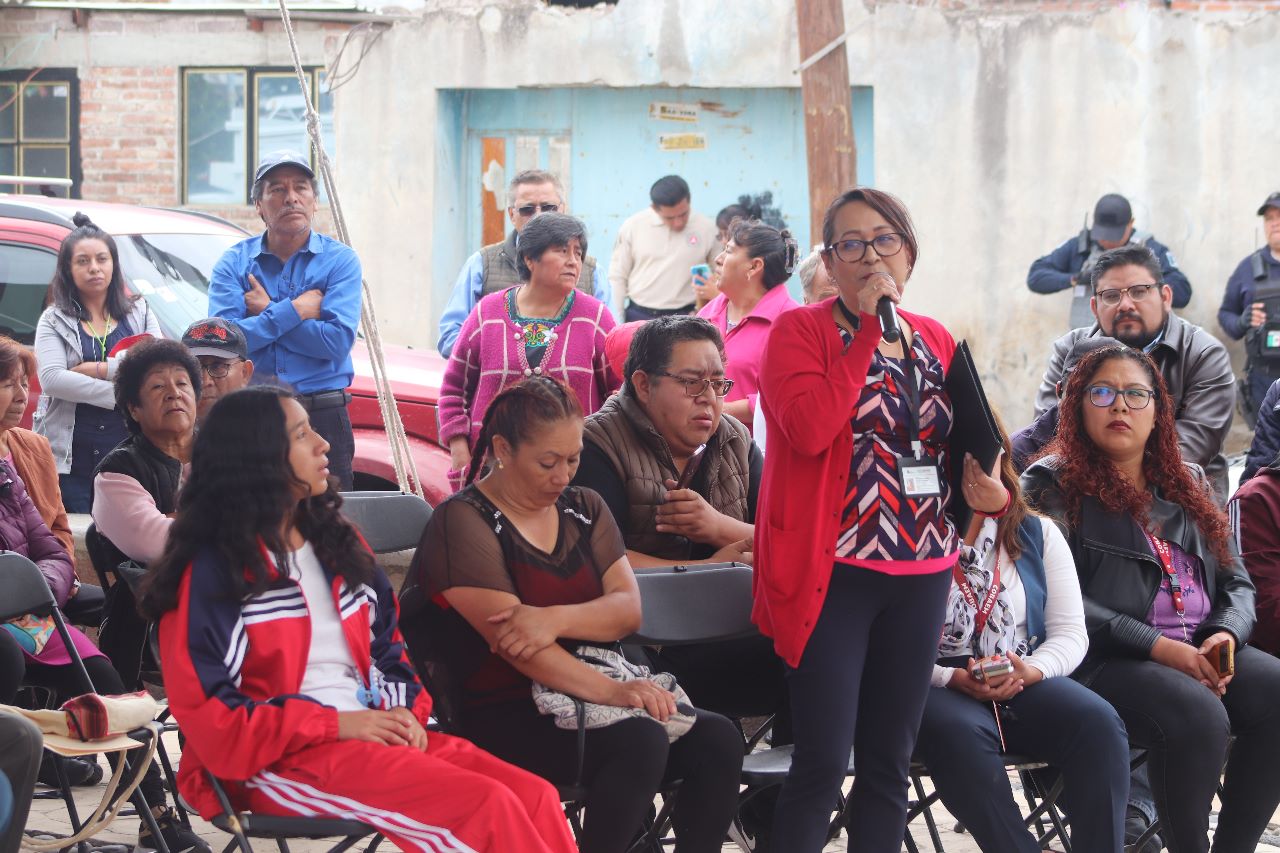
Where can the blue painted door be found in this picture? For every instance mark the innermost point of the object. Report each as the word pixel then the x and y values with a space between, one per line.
pixel 609 145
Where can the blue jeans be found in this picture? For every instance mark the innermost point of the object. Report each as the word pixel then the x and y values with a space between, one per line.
pixel 77 492
pixel 1057 721
pixel 1187 729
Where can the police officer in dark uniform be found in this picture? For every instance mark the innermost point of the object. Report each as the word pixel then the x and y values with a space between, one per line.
pixel 1251 310
pixel 1069 265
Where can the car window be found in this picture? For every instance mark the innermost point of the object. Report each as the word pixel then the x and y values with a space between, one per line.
pixel 25 272
pixel 172 271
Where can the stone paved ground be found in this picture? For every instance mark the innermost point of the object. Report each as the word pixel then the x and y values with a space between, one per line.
pixel 50 815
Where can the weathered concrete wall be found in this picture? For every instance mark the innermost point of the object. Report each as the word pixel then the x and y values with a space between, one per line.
pixel 999 126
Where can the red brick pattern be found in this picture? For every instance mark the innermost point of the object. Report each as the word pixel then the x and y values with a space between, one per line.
pixel 131 116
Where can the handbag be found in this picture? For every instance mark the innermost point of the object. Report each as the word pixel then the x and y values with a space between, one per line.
pixel 611 663
pixel 32 632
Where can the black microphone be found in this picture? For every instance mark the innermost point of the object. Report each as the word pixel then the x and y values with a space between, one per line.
pixel 888 320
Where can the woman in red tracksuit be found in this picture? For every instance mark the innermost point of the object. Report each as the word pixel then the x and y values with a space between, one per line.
pixel 284 663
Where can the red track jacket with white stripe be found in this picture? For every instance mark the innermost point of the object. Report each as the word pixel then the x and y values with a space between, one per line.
pixel 233 669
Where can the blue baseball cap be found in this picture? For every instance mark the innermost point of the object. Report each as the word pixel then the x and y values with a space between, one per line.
pixel 282 158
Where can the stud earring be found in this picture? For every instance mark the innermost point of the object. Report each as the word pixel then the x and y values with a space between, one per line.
pixel 500 465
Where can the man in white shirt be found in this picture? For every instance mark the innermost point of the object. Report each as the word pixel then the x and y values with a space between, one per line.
pixel 651 271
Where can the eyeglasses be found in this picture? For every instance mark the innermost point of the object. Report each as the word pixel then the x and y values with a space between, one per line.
pixel 1135 398
pixel 531 209
pixel 219 369
pixel 852 251
pixel 1137 292
pixel 696 387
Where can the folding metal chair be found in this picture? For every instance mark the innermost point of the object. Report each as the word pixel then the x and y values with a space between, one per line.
pixel 26 591
pixel 243 825
pixel 684 605
pixel 1042 804
pixel 389 521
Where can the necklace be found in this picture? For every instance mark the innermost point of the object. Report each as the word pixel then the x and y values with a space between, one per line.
pixel 537 331
pixel 101 339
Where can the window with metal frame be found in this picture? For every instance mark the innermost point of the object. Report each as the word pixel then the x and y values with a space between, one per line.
pixel 40 127
pixel 231 117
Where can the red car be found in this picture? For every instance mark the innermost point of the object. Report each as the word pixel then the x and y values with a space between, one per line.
pixel 167 257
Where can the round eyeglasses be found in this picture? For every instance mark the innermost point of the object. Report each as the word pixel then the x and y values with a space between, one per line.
pixel 1135 398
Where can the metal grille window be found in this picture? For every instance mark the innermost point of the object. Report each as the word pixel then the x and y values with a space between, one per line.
pixel 233 116
pixel 39 127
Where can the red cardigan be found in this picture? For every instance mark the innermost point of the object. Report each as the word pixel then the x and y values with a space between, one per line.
pixel 809 387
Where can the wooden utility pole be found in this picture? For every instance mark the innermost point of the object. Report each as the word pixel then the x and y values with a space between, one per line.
pixel 828 100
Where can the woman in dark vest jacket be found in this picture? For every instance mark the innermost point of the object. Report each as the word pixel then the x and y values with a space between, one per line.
pixel 1167 602
pixel 136 485
pixel 1033 621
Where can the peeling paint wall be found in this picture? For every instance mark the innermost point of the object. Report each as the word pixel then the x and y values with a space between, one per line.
pixel 1000 129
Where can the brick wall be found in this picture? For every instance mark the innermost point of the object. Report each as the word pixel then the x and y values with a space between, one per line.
pixel 128 65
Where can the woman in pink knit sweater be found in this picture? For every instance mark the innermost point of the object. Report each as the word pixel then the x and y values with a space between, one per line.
pixel 542 327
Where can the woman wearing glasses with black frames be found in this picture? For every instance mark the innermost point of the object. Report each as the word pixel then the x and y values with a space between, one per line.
pixel 1168 604
pixel 853 546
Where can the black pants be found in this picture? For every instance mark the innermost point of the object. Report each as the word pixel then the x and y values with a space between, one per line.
pixel 861 683
pixel 21 748
pixel 635 312
pixel 625 765
pixel 1057 721
pixel 1187 729
pixel 334 425
pixel 16 671
pixel 738 678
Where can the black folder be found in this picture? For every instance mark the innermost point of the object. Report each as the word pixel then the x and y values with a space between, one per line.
pixel 973 429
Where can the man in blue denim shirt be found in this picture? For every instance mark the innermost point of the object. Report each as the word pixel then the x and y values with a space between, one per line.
pixel 296 296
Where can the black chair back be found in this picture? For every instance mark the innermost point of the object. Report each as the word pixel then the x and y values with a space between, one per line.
pixel 26 591
pixel 694 604
pixel 388 521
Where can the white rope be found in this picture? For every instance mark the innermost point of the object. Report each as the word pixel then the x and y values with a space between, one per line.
pixel 401 456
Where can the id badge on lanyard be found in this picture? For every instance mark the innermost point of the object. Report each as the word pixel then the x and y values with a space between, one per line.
pixel 919 476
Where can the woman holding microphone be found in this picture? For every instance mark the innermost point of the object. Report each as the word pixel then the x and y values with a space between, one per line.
pixel 854 554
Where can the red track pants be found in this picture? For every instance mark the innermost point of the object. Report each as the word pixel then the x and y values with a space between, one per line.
pixel 453 798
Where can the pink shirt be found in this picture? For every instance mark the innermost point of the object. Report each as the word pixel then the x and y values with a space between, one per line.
pixel 744 343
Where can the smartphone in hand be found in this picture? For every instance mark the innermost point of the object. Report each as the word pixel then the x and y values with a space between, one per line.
pixel 691 468
pixel 1223 658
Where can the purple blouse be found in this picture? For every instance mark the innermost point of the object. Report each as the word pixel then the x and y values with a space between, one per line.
pixel 1195 604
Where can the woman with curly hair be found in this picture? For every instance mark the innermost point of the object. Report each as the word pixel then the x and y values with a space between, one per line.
pixel 1167 602
pixel 284 664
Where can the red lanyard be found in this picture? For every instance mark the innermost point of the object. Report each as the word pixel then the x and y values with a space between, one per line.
pixel 983 610
pixel 1162 550
pixel 1165 554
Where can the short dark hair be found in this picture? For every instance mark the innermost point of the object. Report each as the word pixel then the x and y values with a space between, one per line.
pixel 777 248
pixel 887 205
pixel 653 342
pixel 518 410
pixel 548 231
pixel 668 191
pixel 1128 255
pixel 63 286
pixel 143 357
pixel 731 214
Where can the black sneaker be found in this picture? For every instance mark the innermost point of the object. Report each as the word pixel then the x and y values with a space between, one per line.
pixel 1136 823
pixel 176 836
pixel 80 772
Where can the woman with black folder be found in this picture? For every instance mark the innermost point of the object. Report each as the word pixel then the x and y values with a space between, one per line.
pixel 1014 630
pixel 853 545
